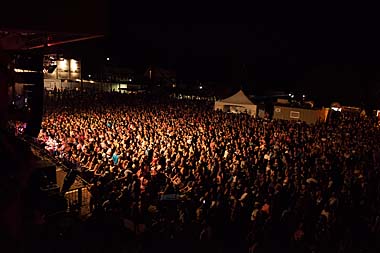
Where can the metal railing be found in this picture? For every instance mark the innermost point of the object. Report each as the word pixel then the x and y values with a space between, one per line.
pixel 78 201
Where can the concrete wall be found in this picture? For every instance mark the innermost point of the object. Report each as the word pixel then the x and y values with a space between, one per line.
pixel 49 84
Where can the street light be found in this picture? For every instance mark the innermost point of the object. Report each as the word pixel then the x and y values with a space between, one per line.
pixel 108 58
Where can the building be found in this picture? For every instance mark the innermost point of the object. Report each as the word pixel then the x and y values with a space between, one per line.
pixel 121 79
pixel 161 76
pixel 61 73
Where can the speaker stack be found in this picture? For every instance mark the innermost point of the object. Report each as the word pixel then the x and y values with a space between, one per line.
pixel 28 70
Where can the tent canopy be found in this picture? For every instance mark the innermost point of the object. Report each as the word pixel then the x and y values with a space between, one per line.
pixel 238 102
pixel 238 98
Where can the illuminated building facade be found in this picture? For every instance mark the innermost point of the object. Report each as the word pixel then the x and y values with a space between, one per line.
pixel 61 73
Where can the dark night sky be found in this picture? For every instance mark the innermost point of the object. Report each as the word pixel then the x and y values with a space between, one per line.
pixel 331 52
pixel 312 56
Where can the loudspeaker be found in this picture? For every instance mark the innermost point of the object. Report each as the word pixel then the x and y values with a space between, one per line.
pixel 35 101
pixel 51 68
pixel 51 190
pixel 44 173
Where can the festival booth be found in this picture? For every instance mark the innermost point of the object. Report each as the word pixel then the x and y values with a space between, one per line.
pixel 238 103
pixel 310 116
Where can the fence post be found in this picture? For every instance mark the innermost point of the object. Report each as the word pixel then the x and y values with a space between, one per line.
pixel 80 199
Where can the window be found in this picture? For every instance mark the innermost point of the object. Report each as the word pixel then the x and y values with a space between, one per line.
pixel 294 115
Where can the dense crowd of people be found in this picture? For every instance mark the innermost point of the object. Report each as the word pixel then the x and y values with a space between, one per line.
pixel 175 170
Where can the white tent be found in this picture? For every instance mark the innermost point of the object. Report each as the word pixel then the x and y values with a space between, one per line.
pixel 238 103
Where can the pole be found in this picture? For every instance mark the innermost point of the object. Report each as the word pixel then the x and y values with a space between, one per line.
pixel 81 78
pixel 4 76
pixel 80 200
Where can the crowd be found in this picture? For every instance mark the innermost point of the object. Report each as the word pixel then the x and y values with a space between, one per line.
pixel 177 171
